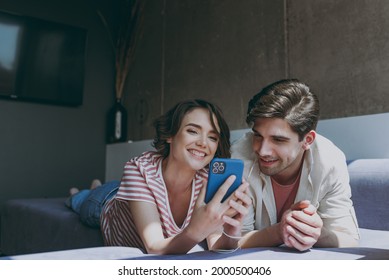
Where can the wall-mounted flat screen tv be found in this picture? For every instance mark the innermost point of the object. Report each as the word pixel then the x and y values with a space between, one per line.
pixel 41 61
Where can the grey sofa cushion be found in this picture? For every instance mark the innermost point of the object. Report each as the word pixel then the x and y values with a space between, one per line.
pixel 369 180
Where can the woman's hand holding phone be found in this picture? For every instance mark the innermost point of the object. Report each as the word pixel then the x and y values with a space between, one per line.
pixel 207 218
pixel 235 208
pixel 222 202
pixel 239 203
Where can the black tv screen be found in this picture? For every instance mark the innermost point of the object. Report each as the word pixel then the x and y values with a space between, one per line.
pixel 41 61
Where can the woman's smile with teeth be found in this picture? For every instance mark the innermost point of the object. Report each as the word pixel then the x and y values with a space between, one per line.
pixel 197 153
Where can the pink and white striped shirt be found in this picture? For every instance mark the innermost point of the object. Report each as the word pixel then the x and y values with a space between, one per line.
pixel 142 181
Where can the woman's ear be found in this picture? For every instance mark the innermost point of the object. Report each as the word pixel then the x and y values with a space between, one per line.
pixel 169 140
pixel 309 139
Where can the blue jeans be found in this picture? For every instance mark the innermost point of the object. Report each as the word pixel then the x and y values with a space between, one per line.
pixel 89 203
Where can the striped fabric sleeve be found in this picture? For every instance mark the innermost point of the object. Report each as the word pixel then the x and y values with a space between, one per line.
pixel 133 185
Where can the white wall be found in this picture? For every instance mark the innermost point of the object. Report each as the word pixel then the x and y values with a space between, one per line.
pixel 359 137
pixel 118 154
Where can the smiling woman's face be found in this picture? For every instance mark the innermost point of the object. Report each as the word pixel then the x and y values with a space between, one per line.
pixel 196 142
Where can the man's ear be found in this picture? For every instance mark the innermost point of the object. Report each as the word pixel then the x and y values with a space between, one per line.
pixel 309 139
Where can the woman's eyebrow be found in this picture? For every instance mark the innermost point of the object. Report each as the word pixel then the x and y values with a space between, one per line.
pixel 193 124
pixel 200 127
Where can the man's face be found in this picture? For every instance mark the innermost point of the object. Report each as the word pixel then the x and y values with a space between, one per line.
pixel 278 149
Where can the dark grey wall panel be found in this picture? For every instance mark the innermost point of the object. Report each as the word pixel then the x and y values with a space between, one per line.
pixel 145 82
pixel 341 48
pixel 222 51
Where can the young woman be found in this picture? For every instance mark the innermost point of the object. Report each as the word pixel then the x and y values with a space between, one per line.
pixel 159 206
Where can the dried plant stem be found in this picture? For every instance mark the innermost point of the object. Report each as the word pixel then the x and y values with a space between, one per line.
pixel 128 36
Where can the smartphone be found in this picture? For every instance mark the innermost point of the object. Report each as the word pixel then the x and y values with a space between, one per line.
pixel 219 170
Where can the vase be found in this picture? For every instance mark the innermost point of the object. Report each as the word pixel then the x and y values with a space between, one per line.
pixel 117 123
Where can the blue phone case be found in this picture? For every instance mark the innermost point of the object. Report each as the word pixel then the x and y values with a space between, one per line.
pixel 219 170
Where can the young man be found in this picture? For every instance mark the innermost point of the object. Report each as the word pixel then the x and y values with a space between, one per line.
pixel 299 181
